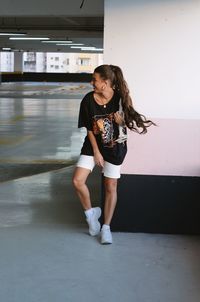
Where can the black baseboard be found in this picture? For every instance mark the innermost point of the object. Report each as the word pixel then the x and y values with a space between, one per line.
pixel 47 77
pixel 158 204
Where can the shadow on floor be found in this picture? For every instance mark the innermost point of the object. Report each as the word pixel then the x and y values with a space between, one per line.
pixel 11 171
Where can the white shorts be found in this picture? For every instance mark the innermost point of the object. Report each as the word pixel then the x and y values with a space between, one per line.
pixel 109 170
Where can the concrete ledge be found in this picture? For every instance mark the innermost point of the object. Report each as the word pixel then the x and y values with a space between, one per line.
pixel 48 77
pixel 158 204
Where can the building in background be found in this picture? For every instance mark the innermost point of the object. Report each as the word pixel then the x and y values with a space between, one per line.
pixel 52 62
pixel 58 62
pixel 41 62
pixel 87 62
pixel 6 61
pixel 29 61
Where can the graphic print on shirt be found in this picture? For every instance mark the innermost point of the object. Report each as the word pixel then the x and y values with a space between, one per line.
pixel 103 125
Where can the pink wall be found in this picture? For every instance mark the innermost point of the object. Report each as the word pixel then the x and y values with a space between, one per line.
pixel 172 148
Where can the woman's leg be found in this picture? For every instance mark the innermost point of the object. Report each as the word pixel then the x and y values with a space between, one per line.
pixel 79 181
pixel 110 185
pixel 92 214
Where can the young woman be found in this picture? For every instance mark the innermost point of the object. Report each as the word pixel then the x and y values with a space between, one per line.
pixel 105 113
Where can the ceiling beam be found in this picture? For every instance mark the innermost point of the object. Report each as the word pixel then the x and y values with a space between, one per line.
pixel 52 8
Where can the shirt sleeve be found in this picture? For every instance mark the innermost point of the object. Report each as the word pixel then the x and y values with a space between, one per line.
pixel 85 118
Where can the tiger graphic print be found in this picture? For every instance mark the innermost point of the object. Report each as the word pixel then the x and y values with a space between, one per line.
pixel 103 125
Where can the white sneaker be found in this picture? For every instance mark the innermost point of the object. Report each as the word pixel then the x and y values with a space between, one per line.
pixel 106 236
pixel 93 222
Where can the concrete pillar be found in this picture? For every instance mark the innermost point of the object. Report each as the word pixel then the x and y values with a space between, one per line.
pixel 162 71
pixel 18 61
pixel 159 187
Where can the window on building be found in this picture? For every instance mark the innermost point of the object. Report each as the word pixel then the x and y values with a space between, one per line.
pixel 56 58
pixel 83 61
pixel 29 56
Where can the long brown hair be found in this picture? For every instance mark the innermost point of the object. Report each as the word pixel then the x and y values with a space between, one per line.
pixel 133 119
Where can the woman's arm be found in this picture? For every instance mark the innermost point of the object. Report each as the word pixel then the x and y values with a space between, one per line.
pixel 98 158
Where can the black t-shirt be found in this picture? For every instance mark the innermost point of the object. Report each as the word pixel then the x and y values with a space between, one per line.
pixel 100 121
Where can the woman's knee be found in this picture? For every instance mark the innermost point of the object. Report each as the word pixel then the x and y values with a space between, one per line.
pixel 77 182
pixel 79 178
pixel 110 185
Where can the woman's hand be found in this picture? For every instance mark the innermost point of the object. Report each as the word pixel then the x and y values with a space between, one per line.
pixel 118 117
pixel 98 158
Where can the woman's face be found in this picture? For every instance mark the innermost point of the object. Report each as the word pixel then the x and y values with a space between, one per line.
pixel 98 83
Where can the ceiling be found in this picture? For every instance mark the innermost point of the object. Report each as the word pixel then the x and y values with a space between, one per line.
pixel 81 29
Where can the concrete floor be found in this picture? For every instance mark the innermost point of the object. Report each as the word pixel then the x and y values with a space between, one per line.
pixel 46 254
pixel 38 127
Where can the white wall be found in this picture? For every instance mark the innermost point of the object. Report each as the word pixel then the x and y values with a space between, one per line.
pixel 157 44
